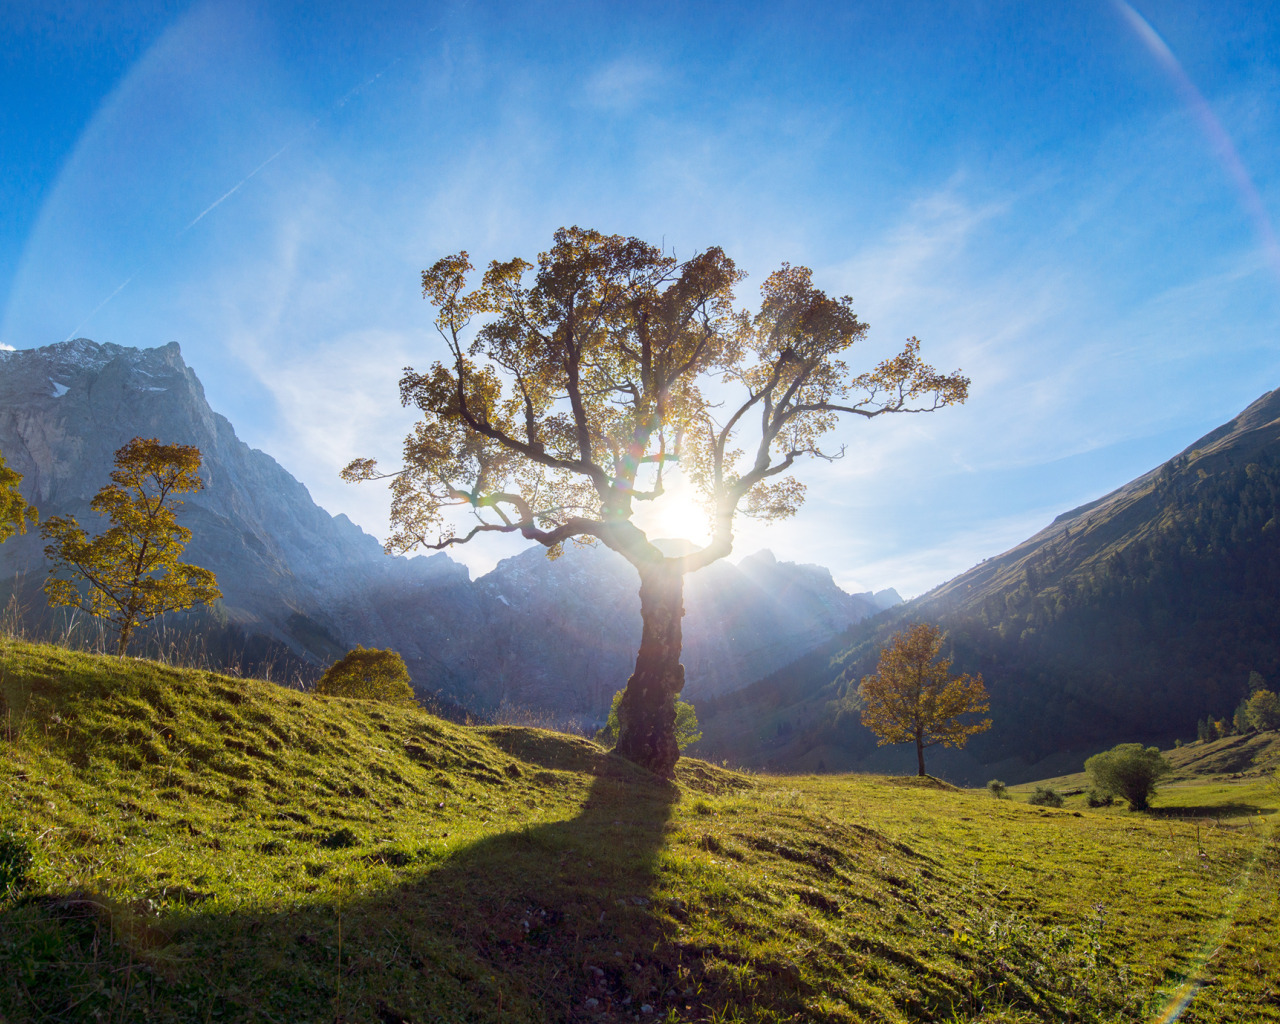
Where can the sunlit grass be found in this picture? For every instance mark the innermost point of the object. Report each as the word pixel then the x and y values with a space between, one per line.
pixel 220 849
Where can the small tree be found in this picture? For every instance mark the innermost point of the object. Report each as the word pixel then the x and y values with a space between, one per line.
pixel 1264 710
pixel 368 674
pixel 132 569
pixel 1240 721
pixel 914 698
pixel 584 387
pixel 15 510
pixel 687 730
pixel 1128 770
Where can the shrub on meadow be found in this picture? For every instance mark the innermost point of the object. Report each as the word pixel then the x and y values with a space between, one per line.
pixel 1046 796
pixel 1128 770
pixel 368 674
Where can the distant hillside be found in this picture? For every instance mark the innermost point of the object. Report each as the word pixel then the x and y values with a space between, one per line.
pixel 301 586
pixel 1127 618
pixel 1243 762
pixel 576 621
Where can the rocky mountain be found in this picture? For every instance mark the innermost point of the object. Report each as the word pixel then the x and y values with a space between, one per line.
pixel 301 584
pixel 66 408
pixel 1128 618
pixel 579 618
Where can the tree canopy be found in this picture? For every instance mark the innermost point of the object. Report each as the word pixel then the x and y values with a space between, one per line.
pixel 368 674
pixel 132 570
pixel 15 511
pixel 912 697
pixel 576 393
pixel 606 367
pixel 1128 770
pixel 1264 710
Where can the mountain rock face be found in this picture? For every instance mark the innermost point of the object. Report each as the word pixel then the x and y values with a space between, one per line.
pixel 556 636
pixel 1128 618
pixel 579 618
pixel 65 409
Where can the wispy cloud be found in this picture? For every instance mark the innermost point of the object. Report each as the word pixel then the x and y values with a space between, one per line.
pixel 622 84
pixel 917 571
pixel 1092 283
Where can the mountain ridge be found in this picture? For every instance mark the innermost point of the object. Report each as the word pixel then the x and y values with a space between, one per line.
pixel 300 582
pixel 1127 618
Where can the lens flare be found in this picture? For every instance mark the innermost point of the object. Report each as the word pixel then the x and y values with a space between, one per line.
pixel 1181 997
pixel 1217 136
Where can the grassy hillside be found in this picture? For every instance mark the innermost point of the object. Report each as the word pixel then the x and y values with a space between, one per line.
pixel 1244 769
pixel 216 849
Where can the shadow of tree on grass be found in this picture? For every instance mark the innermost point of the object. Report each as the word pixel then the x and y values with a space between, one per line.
pixel 547 922
pixel 1233 809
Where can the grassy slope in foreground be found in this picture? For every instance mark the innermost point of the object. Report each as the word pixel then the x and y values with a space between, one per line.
pixel 219 849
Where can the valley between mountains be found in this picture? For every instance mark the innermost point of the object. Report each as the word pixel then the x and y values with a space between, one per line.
pixel 180 842
pixel 1131 618
pixel 555 639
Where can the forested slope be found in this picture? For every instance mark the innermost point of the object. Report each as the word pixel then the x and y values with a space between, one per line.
pixel 1127 618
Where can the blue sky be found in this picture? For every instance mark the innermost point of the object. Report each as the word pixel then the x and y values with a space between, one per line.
pixel 1071 202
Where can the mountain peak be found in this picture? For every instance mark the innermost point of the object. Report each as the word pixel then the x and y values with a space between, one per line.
pixel 887 598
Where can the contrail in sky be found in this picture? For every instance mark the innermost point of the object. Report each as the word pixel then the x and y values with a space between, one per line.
pixel 236 187
pixel 1212 127
pixel 76 330
pixel 241 183
pixel 279 152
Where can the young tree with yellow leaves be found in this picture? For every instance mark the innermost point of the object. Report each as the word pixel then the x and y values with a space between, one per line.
pixel 584 386
pixel 132 569
pixel 15 510
pixel 914 697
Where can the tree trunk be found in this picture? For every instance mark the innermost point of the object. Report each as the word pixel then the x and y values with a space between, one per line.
pixel 126 632
pixel 647 714
pixel 920 753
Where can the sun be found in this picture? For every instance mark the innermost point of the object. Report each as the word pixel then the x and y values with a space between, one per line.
pixel 676 515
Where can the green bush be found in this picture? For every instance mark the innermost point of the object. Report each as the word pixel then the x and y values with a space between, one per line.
pixel 1128 770
pixel 1045 796
pixel 1096 798
pixel 368 674
pixel 998 789
pixel 687 731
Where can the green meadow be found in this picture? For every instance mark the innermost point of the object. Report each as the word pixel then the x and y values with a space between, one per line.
pixel 177 845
